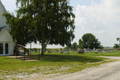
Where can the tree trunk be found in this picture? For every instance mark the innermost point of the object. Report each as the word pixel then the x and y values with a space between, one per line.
pixel 42 53
pixel 43 48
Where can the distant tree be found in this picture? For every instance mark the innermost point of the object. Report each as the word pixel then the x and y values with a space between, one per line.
pixel 116 46
pixel 89 41
pixel 118 39
pixel 81 45
pixel 74 46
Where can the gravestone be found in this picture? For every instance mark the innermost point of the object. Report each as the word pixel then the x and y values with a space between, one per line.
pixel 85 50
pixel 89 50
pixel 99 50
pixel 60 51
pixel 66 51
pixel 110 50
pixel 93 49
pixel 81 51
pixel 78 50
pixel 56 50
pixel 96 51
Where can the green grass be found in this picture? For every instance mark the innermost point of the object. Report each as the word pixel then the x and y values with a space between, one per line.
pixel 52 63
pixel 114 53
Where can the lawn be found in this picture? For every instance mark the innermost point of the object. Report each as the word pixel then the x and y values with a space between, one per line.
pixel 114 53
pixel 52 63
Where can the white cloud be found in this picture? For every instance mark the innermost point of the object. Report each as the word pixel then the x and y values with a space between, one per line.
pixel 103 20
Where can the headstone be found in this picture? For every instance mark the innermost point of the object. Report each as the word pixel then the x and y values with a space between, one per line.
pixel 99 50
pixel 110 50
pixel 60 51
pixel 78 50
pixel 85 50
pixel 89 50
pixel 93 49
pixel 81 51
pixel 66 51
pixel 106 50
pixel 56 50
pixel 96 51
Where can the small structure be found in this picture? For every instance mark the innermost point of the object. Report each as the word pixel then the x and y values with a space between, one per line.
pixel 24 51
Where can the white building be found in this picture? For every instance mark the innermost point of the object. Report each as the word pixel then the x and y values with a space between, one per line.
pixel 6 41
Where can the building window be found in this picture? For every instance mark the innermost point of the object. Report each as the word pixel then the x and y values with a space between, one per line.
pixel 1 48
pixel 6 48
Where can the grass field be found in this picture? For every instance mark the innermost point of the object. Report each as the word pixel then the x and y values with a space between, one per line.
pixel 115 53
pixel 52 63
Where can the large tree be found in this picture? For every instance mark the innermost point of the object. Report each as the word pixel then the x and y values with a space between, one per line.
pixel 19 29
pixel 89 41
pixel 48 21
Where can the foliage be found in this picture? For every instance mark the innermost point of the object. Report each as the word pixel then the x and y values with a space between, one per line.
pixel 81 45
pixel 50 21
pixel 116 46
pixel 118 39
pixel 89 41
pixel 19 29
pixel 74 46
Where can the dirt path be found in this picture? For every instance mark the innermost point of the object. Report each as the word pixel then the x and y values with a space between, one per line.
pixel 108 71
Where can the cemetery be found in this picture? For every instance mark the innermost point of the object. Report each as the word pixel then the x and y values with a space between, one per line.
pixel 17 60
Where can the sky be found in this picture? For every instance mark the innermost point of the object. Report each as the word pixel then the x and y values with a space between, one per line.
pixel 99 17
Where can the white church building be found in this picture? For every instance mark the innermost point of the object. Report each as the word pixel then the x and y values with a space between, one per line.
pixel 6 42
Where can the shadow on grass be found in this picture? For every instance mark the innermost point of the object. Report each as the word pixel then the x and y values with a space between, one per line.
pixel 26 58
pixel 67 58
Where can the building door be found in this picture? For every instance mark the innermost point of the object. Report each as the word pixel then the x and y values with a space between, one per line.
pixel 1 48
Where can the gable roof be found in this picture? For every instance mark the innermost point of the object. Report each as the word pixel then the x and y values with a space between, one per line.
pixel 1 28
pixel 2 6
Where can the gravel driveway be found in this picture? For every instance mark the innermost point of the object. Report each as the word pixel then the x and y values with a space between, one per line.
pixel 108 71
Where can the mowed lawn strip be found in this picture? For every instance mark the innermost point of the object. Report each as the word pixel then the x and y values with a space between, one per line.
pixel 51 63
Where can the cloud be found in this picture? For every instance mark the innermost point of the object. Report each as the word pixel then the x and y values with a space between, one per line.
pixel 103 20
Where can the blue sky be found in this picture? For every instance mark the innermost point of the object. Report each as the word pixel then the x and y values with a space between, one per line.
pixel 99 17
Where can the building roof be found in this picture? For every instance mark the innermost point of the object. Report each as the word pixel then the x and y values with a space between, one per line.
pixel 2 5
pixel 1 28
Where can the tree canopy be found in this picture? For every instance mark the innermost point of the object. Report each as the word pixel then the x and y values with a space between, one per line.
pixel 46 21
pixel 19 29
pixel 89 41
